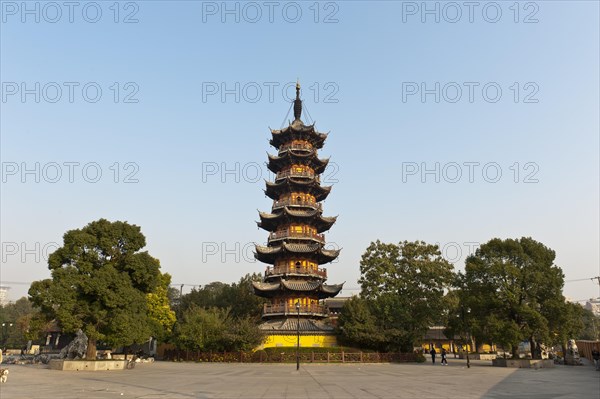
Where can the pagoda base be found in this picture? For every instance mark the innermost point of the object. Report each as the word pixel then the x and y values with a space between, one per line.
pixel 313 340
pixel 284 333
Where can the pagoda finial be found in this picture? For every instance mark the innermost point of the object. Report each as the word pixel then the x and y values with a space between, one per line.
pixel 297 103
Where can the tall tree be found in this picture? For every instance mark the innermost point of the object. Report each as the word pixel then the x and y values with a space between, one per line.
pixel 215 329
pixel 238 297
pixel 404 285
pixel 161 315
pixel 16 323
pixel 100 284
pixel 591 326
pixel 357 326
pixel 514 292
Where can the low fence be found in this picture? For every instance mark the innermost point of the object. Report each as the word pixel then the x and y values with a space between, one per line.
pixel 585 348
pixel 287 357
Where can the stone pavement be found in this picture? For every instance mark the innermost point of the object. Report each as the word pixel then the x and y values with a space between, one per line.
pixel 200 381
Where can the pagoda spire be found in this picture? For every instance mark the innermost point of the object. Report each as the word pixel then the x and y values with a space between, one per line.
pixel 297 103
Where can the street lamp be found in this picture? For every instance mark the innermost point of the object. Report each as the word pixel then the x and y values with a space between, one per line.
pixel 298 332
pixel 5 326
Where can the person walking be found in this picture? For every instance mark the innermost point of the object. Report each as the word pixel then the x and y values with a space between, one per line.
pixel 596 357
pixel 444 354
pixel 432 352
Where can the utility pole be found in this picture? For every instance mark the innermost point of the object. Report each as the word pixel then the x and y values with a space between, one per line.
pixel 298 341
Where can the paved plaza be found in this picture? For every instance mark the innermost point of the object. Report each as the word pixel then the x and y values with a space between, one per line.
pixel 364 381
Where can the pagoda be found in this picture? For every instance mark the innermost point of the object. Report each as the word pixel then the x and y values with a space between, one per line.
pixel 294 283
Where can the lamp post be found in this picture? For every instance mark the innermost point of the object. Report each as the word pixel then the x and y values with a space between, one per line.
pixel 298 335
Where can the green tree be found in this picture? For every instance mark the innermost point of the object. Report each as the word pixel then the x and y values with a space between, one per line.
pixel 238 297
pixel 232 310
pixel 357 326
pixel 214 329
pixel 404 286
pixel 100 283
pixel 242 301
pixel 159 309
pixel 513 291
pixel 15 323
pixel 242 334
pixel 591 326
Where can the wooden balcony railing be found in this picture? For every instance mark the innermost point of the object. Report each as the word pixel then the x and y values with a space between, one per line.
pixel 283 234
pixel 271 270
pixel 320 310
pixel 293 202
pixel 285 147
pixel 295 173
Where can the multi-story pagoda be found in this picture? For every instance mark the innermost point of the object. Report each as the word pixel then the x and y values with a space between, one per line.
pixel 295 284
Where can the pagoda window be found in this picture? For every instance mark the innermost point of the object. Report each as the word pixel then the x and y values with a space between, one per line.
pixel 301 197
pixel 297 144
pixel 303 301
pixel 301 144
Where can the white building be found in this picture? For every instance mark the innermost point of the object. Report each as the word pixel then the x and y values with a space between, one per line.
pixel 4 295
pixel 593 304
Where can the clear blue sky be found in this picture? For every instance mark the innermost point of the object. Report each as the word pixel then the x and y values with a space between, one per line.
pixel 363 66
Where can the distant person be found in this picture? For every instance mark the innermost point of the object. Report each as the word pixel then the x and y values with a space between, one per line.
pixel 432 352
pixel 596 357
pixel 444 354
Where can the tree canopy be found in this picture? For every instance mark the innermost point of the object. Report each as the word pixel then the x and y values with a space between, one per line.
pixel 402 295
pixel 105 285
pixel 18 323
pixel 238 297
pixel 216 329
pixel 513 291
pixel 220 317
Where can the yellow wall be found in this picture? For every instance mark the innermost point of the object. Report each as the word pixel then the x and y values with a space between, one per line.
pixel 306 341
pixel 485 348
pixel 443 344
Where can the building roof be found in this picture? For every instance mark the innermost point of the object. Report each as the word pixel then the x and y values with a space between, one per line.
pixel 290 326
pixel 270 289
pixel 336 303
pixel 313 250
pixel 276 163
pixel 297 130
pixel 289 184
pixel 271 221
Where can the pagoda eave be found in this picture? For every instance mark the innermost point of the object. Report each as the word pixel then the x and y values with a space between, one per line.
pixel 300 131
pixel 289 326
pixel 277 288
pixel 288 184
pixel 277 163
pixel 271 221
pixel 312 251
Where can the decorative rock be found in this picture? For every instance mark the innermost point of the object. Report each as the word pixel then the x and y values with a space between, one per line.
pixel 76 348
